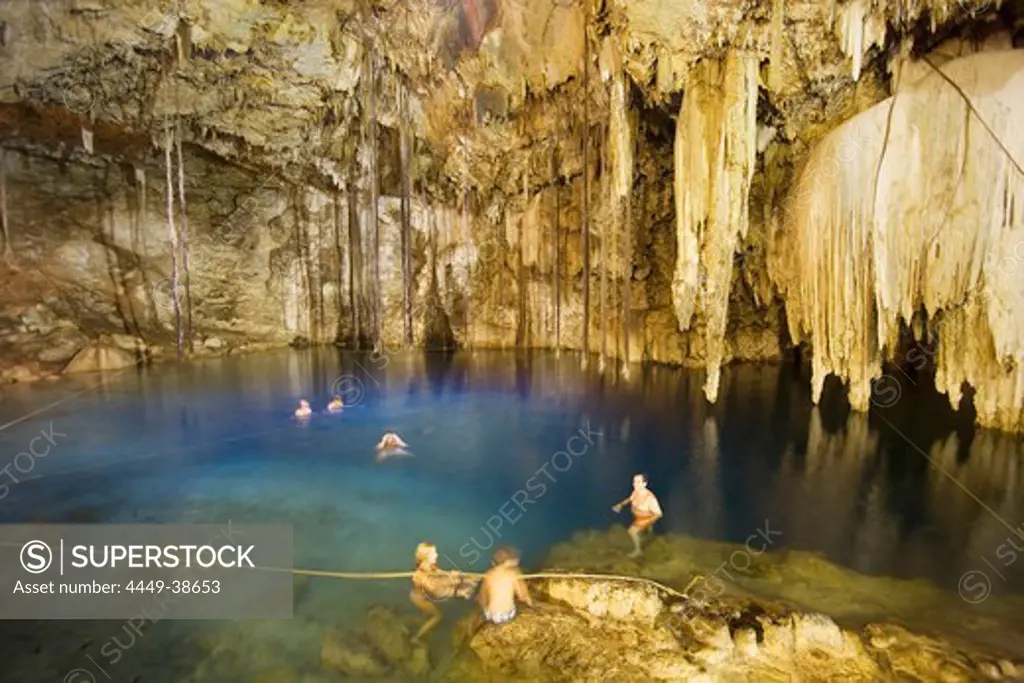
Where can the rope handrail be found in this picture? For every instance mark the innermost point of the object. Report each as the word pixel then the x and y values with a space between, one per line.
pixel 476 575
pixel 540 575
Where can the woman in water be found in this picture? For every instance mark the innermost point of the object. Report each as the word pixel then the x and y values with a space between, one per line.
pixel 431 585
pixel 303 410
pixel 336 405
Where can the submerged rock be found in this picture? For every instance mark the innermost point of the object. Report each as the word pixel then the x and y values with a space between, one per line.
pixel 624 630
pixel 388 634
pixel 350 656
pixel 561 642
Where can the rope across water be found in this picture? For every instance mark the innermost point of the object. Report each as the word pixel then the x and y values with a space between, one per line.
pixel 369 576
pixel 541 575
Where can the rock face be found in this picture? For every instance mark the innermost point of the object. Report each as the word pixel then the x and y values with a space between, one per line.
pixel 100 358
pixel 743 642
pixel 495 173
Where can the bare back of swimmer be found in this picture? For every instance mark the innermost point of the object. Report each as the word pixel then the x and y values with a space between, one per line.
pixel 502 587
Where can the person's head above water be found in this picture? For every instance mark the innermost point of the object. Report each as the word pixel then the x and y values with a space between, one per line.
pixel 506 555
pixel 639 481
pixel 303 403
pixel 426 553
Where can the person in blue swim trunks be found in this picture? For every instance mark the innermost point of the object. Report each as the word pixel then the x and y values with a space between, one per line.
pixel 502 587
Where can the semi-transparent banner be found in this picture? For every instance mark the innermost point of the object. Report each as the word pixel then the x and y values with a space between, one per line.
pixel 149 571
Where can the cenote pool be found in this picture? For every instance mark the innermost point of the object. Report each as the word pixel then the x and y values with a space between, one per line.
pixel 871 517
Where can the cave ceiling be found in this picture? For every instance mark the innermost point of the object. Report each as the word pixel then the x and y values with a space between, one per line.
pixel 496 86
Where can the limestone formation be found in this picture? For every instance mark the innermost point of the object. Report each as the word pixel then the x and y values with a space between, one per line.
pixel 911 212
pixel 370 173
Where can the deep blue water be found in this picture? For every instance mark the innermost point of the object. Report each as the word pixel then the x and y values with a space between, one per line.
pixel 215 440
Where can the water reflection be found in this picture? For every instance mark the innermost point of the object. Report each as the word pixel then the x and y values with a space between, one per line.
pixel 882 494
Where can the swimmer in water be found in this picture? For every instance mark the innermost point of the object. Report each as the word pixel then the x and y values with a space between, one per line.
pixel 502 586
pixel 431 585
pixel 335 405
pixel 646 511
pixel 390 442
pixel 303 410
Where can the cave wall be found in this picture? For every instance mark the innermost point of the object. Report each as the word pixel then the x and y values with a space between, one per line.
pixel 688 122
pixel 271 263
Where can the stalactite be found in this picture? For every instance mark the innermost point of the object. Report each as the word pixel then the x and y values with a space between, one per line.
pixel 317 277
pixel 173 235
pixel 184 239
pixel 621 160
pixel 339 306
pixel 586 184
pixel 775 72
pixel 87 138
pixel 355 260
pixel 140 223
pixel 715 151
pixel 521 331
pixel 308 304
pixel 556 252
pixel 470 338
pixel 4 222
pixel 371 74
pixel 603 160
pixel 859 29
pixel 627 276
pixel 501 275
pixel 406 209
pixel 942 234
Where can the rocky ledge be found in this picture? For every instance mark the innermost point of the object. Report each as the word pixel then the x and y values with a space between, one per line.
pixel 687 624
pixel 630 634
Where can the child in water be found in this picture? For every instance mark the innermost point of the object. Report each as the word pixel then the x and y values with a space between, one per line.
pixel 335 405
pixel 502 586
pixel 303 410
pixel 430 585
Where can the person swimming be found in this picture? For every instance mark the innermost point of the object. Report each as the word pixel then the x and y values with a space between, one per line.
pixel 431 585
pixel 646 510
pixel 303 410
pixel 391 442
pixel 336 405
pixel 502 586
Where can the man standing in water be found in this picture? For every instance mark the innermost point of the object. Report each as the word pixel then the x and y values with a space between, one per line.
pixel 646 510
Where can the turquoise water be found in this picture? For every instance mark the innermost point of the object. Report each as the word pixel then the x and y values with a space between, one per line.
pixel 215 441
